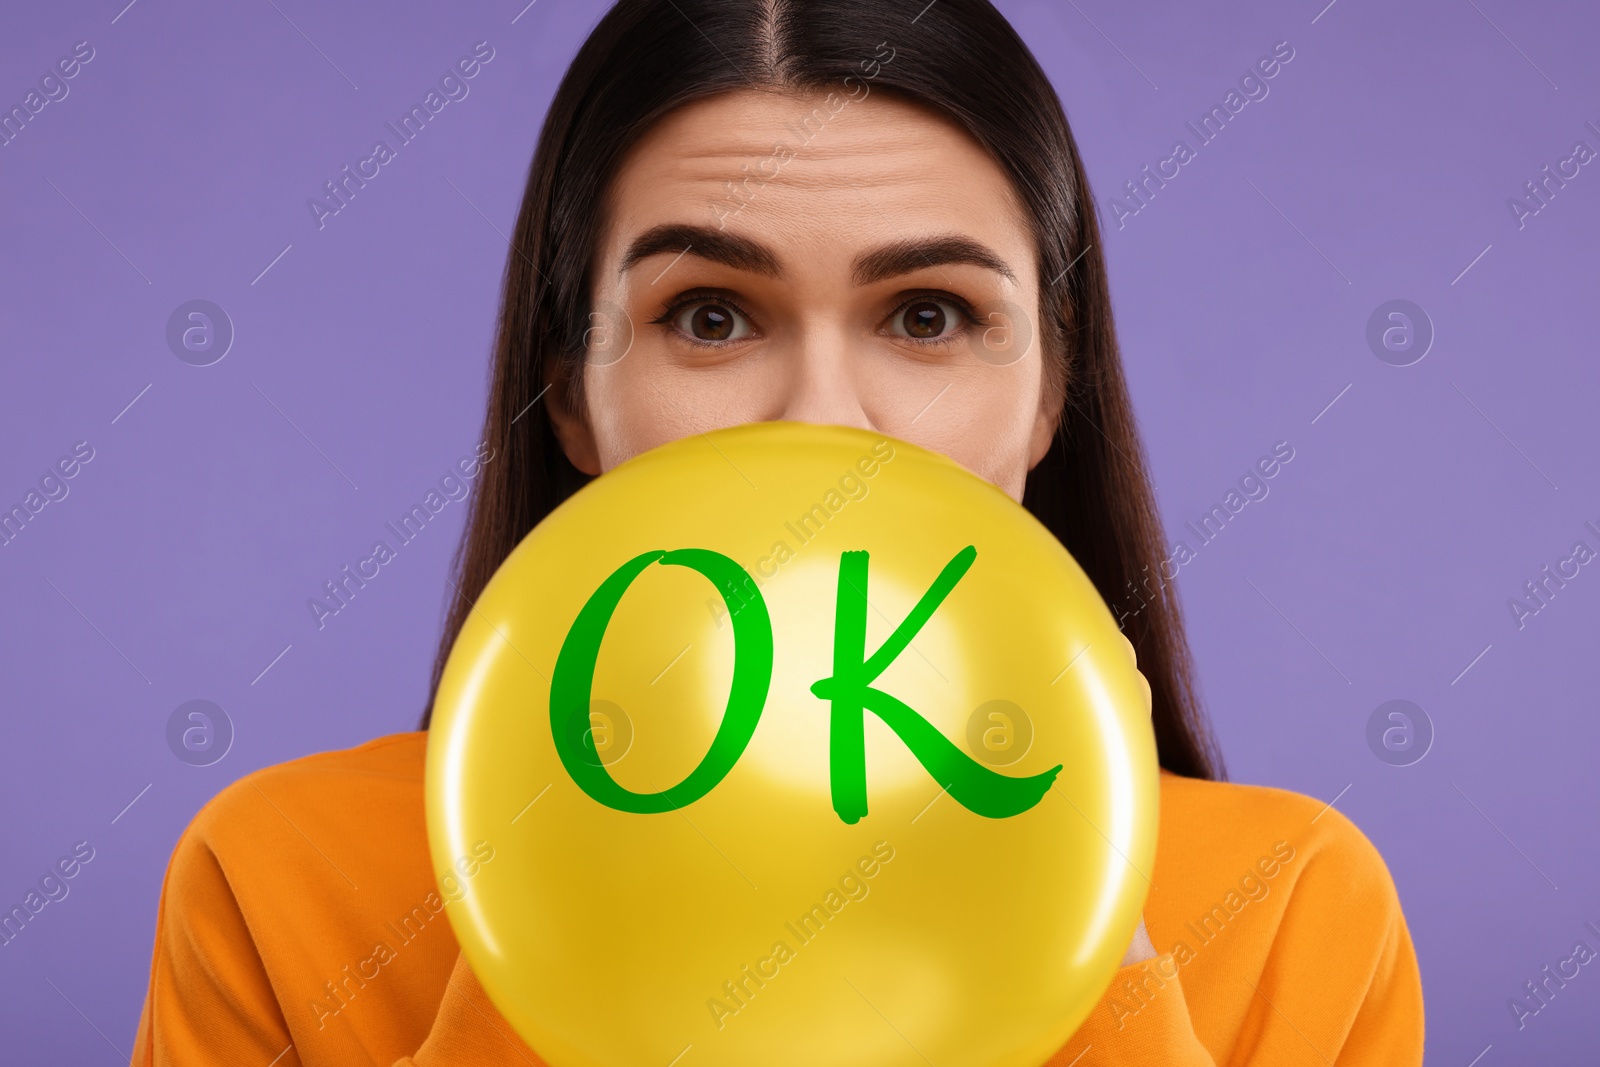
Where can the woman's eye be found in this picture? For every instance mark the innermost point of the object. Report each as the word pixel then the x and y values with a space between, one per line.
pixel 927 319
pixel 711 322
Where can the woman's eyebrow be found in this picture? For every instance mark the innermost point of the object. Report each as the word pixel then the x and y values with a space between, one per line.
pixel 746 253
pixel 903 257
pixel 706 242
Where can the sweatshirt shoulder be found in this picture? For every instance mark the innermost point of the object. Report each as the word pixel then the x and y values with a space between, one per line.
pixel 1331 850
pixel 344 784
pixel 1265 887
pixel 280 880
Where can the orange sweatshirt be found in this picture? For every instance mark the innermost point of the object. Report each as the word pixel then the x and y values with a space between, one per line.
pixel 301 923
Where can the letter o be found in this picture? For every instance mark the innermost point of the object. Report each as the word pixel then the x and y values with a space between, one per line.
pixel 572 682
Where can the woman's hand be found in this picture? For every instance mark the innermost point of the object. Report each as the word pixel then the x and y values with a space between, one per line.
pixel 1141 948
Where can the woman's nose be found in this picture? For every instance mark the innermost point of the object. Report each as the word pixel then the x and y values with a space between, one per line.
pixel 823 383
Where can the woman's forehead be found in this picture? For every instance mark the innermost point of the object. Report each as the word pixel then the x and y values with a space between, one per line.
pixel 811 172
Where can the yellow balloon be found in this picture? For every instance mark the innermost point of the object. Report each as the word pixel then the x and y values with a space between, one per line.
pixel 861 773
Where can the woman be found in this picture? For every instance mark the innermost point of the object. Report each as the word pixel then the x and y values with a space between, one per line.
pixel 868 212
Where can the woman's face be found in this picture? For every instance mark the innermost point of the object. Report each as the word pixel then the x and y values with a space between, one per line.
pixel 859 261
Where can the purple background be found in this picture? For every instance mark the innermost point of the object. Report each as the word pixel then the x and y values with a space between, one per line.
pixel 1379 566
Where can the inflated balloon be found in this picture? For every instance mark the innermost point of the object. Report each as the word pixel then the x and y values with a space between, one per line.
pixel 793 745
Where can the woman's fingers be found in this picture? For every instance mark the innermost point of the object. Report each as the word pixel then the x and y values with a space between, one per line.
pixel 1133 655
pixel 1141 948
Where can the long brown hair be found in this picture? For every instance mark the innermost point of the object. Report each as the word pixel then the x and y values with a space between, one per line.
pixel 959 57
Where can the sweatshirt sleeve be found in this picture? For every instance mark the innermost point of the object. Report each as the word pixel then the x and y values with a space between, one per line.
pixel 1329 978
pixel 208 990
pixel 1340 984
pixel 470 1031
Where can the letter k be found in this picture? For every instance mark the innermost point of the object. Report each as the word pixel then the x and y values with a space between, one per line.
pixel 974 786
